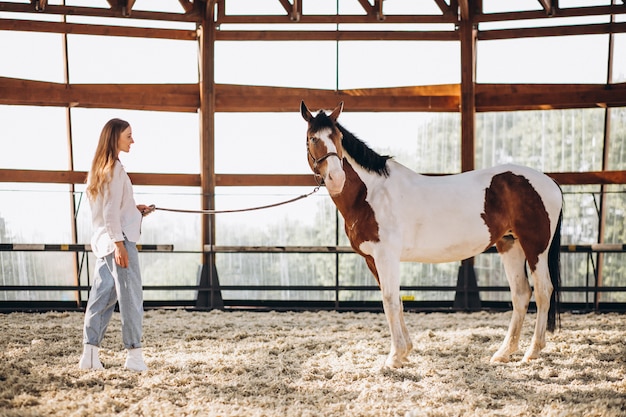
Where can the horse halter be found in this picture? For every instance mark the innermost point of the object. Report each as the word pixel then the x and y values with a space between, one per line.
pixel 318 161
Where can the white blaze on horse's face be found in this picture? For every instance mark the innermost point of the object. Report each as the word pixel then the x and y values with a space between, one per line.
pixel 325 152
pixel 328 163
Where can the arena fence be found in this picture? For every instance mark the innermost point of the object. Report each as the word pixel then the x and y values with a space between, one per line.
pixel 209 291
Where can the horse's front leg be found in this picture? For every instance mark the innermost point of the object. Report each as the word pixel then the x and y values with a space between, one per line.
pixel 387 271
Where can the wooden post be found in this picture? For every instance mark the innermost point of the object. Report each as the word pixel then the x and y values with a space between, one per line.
pixel 208 276
pixel 468 298
pixel 70 167
pixel 605 165
pixel 468 34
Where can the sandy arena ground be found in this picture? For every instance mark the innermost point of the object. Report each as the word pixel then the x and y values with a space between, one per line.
pixel 311 364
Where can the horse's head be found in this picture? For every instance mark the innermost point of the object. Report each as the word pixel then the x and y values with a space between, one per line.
pixel 323 142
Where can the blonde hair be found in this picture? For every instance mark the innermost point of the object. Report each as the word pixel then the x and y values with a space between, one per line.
pixel 104 159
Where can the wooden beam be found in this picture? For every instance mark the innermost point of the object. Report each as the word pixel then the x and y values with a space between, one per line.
pixel 616 9
pixel 558 12
pixel 543 32
pixel 336 19
pixel 52 9
pixel 160 97
pixel 264 180
pixel 256 180
pixel 240 98
pixel 79 177
pixel 89 29
pixel 589 178
pixel 443 98
pixel 240 35
pixel 506 97
pixel 332 35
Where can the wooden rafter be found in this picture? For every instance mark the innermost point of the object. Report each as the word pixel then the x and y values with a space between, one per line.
pixel 188 5
pixel 128 7
pixel 464 9
pixel 443 6
pixel 378 6
pixel 367 6
pixel 294 10
pixel 278 35
pixel 40 5
pixel 375 10
pixel 548 6
pixel 123 6
pixel 114 11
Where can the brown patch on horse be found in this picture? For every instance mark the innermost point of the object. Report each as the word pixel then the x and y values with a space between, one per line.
pixel 360 220
pixel 371 264
pixel 514 210
pixel 505 243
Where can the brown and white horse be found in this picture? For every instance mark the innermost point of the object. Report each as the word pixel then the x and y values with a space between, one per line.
pixel 393 214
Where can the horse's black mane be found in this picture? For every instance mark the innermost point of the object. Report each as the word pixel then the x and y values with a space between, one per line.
pixel 356 148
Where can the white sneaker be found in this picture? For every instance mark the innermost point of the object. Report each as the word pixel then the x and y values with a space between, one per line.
pixel 89 359
pixel 134 360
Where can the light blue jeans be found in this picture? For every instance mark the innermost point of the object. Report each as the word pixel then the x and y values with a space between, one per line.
pixel 112 284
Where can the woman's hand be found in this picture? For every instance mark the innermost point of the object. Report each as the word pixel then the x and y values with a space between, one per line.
pixel 145 210
pixel 121 254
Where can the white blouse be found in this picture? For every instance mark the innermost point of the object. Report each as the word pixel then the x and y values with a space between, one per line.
pixel 114 214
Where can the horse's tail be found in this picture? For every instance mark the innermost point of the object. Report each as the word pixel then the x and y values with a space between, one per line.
pixel 554 268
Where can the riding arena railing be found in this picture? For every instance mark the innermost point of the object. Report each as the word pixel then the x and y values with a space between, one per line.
pixel 209 291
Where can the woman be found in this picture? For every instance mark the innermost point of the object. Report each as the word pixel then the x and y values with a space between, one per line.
pixel 117 226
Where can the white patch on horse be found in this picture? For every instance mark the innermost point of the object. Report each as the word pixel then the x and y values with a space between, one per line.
pixel 333 176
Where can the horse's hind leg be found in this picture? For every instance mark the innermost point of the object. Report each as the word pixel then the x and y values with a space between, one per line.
pixel 543 292
pixel 514 260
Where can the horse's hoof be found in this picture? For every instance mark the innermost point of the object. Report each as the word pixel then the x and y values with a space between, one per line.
pixel 391 363
pixel 499 359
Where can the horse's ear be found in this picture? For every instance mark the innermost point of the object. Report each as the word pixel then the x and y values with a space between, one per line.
pixel 335 114
pixel 306 114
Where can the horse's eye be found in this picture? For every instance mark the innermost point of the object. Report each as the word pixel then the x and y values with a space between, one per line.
pixel 313 139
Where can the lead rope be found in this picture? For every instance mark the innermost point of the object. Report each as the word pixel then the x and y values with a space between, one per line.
pixel 153 207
